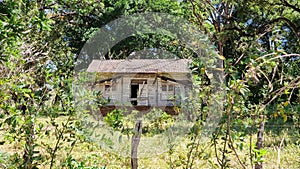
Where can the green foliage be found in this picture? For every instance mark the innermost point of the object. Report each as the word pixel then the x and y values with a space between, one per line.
pixel 71 163
pixel 156 122
pixel 258 43
pixel 115 119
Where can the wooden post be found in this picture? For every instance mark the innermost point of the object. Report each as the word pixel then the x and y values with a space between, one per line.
pixel 122 94
pixel 156 92
pixel 134 144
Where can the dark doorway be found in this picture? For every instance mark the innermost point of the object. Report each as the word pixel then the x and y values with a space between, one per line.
pixel 134 93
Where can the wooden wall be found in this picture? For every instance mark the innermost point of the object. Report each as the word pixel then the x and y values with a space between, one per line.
pixel 155 91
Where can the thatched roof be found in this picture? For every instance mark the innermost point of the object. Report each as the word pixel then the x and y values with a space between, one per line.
pixel 140 66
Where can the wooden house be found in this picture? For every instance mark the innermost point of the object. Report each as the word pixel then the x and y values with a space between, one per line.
pixel 142 82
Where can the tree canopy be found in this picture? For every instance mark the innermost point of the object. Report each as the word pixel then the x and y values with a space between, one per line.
pixel 258 43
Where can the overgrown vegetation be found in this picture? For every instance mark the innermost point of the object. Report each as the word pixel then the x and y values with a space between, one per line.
pixel 257 42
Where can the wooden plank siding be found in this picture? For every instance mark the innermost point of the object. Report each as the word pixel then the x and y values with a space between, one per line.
pixel 127 86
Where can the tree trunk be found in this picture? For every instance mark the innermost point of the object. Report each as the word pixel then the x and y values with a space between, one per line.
pixel 259 143
pixel 30 136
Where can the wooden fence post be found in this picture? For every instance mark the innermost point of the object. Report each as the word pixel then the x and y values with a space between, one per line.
pixel 134 144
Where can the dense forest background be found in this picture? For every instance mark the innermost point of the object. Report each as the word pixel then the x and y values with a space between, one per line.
pixel 258 42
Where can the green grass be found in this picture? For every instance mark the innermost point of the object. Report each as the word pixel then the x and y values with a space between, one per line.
pixel 279 154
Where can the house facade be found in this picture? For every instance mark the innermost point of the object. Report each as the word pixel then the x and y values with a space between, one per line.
pixel 142 82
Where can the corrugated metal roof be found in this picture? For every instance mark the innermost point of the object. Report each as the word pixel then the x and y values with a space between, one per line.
pixel 140 66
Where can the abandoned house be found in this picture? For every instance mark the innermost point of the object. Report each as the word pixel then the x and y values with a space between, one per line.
pixel 142 82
